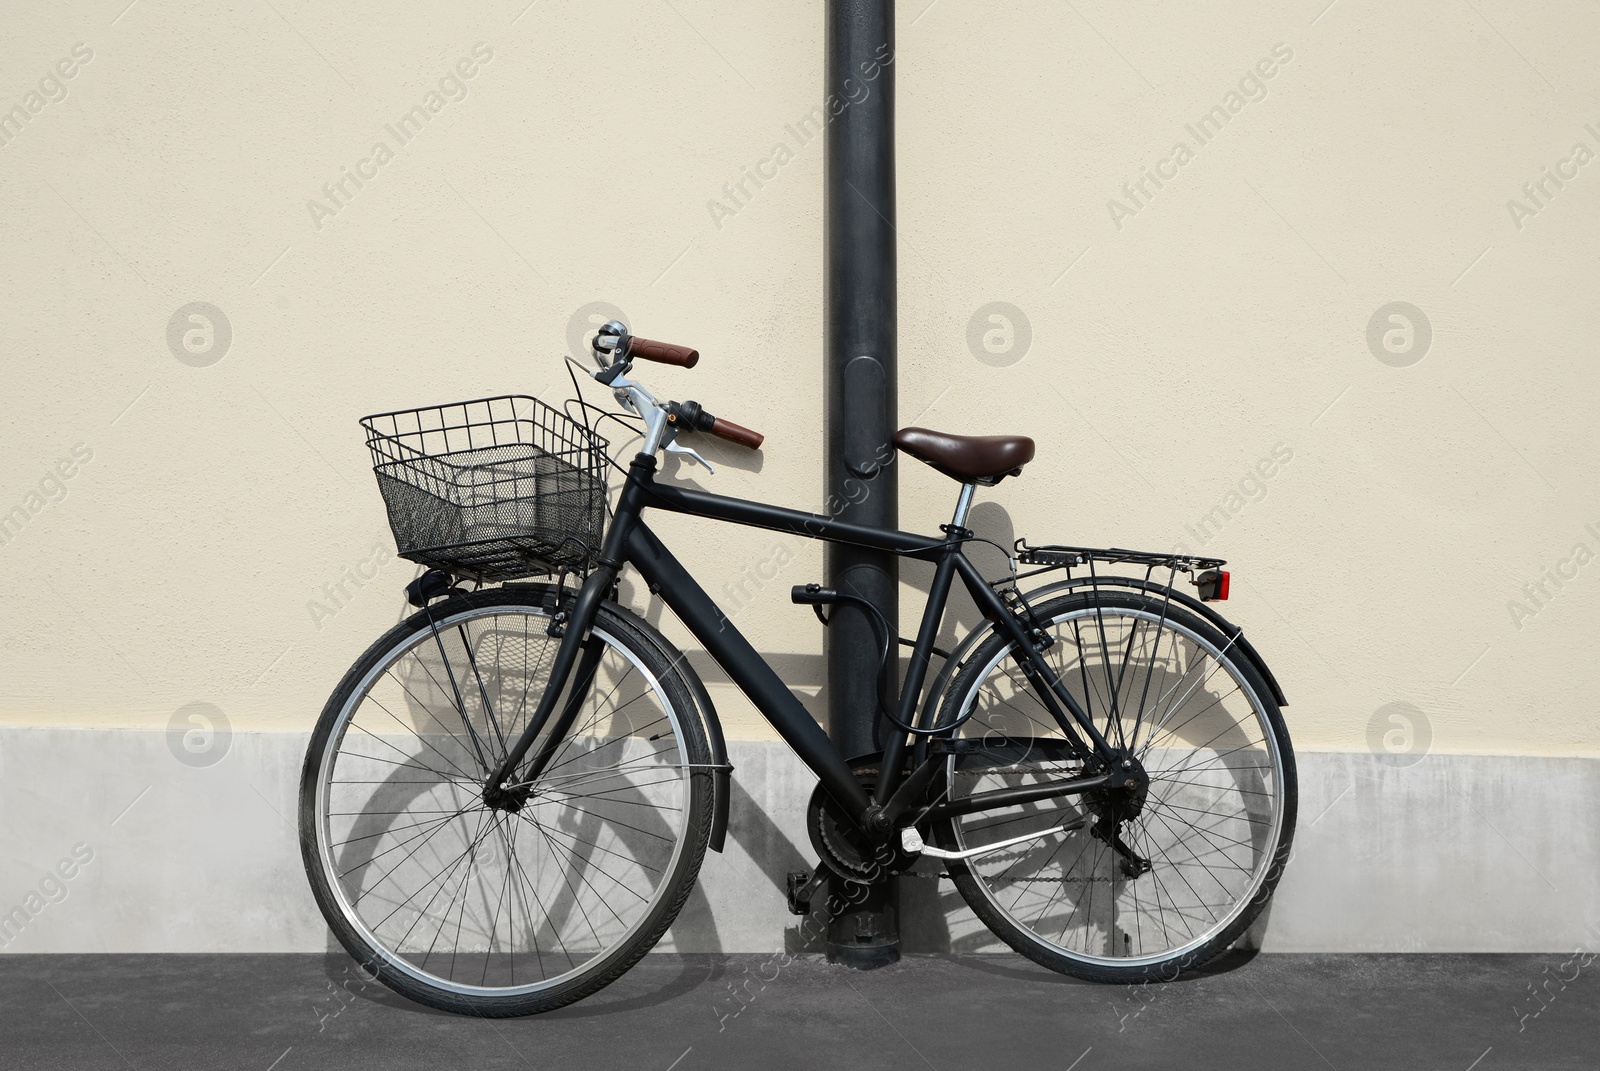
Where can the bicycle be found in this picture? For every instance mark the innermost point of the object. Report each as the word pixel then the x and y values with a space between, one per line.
pixel 508 797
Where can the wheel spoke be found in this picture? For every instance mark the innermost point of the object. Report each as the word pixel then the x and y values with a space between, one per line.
pixel 1170 691
pixel 461 898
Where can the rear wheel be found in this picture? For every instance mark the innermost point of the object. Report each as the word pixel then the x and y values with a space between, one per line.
pixel 512 909
pixel 1114 889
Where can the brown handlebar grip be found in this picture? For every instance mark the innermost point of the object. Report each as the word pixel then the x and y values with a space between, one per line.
pixel 734 433
pixel 662 352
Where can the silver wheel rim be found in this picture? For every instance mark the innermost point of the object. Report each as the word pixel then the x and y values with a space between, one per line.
pixel 1086 870
pixel 662 777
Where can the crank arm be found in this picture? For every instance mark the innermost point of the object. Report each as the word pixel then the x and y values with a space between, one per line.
pixel 801 887
pixel 911 841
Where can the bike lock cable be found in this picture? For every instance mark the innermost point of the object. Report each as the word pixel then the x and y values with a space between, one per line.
pixel 880 625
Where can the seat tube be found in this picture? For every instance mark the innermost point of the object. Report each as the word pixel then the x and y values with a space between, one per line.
pixel 917 669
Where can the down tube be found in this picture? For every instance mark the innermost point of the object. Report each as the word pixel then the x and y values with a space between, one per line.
pixel 748 669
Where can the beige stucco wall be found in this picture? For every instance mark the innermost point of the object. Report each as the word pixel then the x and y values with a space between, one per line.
pixel 1176 343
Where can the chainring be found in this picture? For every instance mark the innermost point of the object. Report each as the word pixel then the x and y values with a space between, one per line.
pixel 841 846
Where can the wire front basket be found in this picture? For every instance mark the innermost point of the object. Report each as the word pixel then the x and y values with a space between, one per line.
pixel 492 489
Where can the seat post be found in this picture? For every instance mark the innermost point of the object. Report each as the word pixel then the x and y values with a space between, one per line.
pixel 963 504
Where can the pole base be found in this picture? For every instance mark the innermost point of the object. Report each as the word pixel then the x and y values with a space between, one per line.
pixel 864 957
pixel 865 934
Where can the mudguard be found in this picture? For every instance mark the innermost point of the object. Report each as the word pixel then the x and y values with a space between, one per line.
pixel 713 726
pixel 1234 633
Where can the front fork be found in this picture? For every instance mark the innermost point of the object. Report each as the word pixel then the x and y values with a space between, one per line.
pixel 579 651
pixel 576 660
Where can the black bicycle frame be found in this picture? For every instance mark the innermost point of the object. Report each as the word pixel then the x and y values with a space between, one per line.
pixel 630 541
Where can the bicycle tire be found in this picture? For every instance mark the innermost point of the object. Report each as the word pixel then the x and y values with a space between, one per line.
pixel 623 824
pixel 1006 760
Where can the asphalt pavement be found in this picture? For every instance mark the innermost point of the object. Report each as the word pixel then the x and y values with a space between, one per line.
pixel 684 1013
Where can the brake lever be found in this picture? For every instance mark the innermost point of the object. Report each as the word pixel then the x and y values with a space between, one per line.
pixel 674 447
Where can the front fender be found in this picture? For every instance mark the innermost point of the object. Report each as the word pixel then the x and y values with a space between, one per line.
pixel 720 777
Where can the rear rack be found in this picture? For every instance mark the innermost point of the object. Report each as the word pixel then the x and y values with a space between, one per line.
pixel 1053 556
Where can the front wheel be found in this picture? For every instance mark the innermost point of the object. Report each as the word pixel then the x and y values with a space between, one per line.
pixel 1123 887
pixel 515 908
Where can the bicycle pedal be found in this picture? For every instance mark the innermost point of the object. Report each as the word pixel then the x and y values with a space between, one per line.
pixel 801 886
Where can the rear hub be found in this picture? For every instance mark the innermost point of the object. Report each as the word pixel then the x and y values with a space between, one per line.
pixel 1123 799
pixel 1119 802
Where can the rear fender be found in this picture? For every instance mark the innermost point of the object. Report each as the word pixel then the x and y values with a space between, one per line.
pixel 1233 632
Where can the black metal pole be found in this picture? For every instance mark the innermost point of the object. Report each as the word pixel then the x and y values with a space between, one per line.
pixel 860 327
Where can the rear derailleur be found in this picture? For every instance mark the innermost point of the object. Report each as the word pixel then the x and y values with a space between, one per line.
pixel 1121 802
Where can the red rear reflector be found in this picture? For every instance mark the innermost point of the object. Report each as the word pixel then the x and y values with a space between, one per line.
pixel 1213 585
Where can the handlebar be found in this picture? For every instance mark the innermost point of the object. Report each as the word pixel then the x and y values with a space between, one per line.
pixel 694 416
pixel 614 349
pixel 736 433
pixel 660 352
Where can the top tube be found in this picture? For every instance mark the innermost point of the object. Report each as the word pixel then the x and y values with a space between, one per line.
pixel 698 503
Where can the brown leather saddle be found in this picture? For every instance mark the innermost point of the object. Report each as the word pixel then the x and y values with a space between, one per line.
pixel 985 459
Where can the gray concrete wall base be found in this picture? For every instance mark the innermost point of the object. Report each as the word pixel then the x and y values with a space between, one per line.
pixel 112 842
